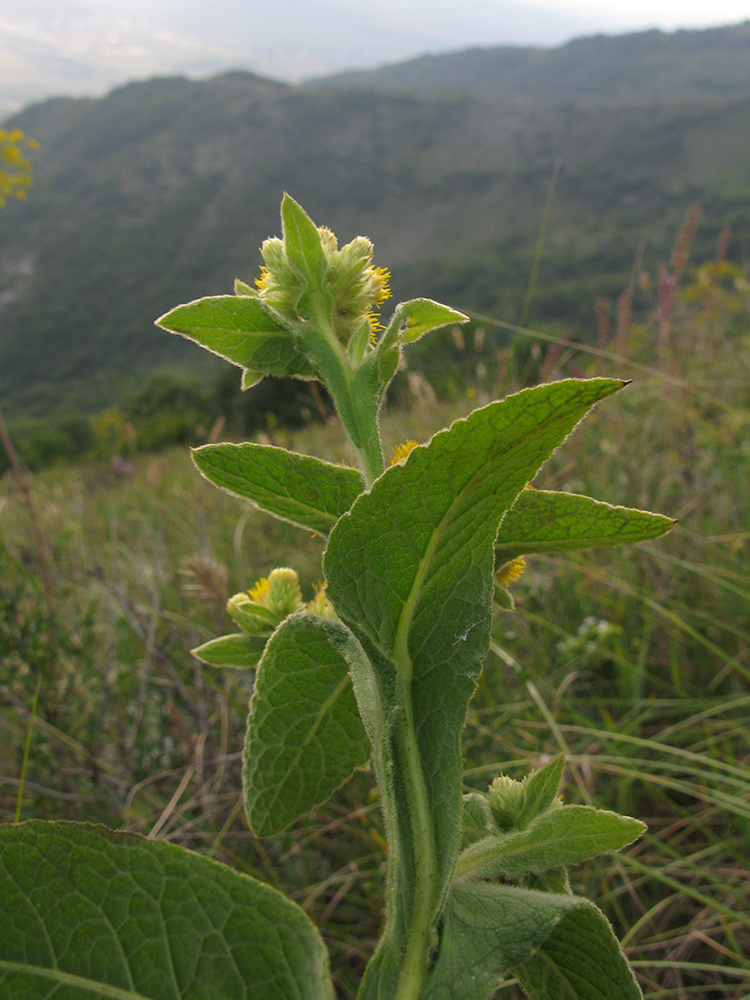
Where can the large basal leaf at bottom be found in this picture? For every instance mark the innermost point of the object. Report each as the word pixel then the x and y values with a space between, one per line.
pixel 487 929
pixel 580 960
pixel 304 734
pixel 86 913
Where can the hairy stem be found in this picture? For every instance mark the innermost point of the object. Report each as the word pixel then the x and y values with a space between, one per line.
pixel 334 369
pixel 418 935
pixel 426 874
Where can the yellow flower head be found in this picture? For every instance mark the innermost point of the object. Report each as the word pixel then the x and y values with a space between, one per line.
pixel 509 572
pixel 320 605
pixel 259 591
pixel 352 286
pixel 400 451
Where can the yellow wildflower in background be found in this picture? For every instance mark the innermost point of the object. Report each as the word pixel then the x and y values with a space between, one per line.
pixel 15 169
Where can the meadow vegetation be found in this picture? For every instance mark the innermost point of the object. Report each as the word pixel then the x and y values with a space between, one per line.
pixel 633 662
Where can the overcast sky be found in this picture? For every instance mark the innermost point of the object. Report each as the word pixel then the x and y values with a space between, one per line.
pixel 665 14
pixel 87 46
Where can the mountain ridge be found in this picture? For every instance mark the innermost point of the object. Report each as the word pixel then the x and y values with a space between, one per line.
pixel 163 190
pixel 637 66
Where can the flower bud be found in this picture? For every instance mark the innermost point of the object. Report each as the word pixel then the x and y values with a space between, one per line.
pixel 320 605
pixel 284 596
pixel 507 798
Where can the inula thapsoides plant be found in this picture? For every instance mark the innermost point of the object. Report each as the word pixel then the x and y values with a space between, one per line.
pixel 380 666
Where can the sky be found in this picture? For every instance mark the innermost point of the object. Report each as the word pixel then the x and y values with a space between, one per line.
pixel 636 15
pixel 51 47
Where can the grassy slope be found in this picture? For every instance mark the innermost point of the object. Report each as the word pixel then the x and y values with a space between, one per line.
pixel 163 190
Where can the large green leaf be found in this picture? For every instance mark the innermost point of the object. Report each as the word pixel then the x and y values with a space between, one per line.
pixel 545 521
pixel 296 488
pixel 240 329
pixel 409 570
pixel 565 835
pixel 580 960
pixel 304 735
pixel 86 914
pixel 486 930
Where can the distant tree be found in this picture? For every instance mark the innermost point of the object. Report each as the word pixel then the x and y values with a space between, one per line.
pixel 15 169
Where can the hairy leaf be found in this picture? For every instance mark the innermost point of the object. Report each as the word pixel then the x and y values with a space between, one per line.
pixel 580 960
pixel 545 521
pixel 235 650
pixel 87 914
pixel 304 735
pixel 293 487
pixel 565 835
pixel 486 930
pixel 240 329
pixel 541 790
pixel 302 240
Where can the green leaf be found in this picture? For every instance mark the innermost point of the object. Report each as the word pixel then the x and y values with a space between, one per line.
pixel 296 488
pixel 304 735
pixel 566 835
pixel 242 330
pixel 254 618
pixel 409 570
pixel 580 960
pixel 545 521
pixel 235 650
pixel 87 913
pixel 412 319
pixel 476 819
pixel 487 930
pixel 304 249
pixel 541 790
pixel 409 322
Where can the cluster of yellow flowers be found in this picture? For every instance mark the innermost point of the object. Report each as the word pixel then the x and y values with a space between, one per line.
pixel 15 169
pixel 271 599
pixel 355 287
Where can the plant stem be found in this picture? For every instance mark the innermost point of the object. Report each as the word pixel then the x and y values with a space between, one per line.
pixel 335 371
pixel 26 749
pixel 426 875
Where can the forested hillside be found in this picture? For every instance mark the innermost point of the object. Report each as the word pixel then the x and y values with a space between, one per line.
pixel 633 68
pixel 163 190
